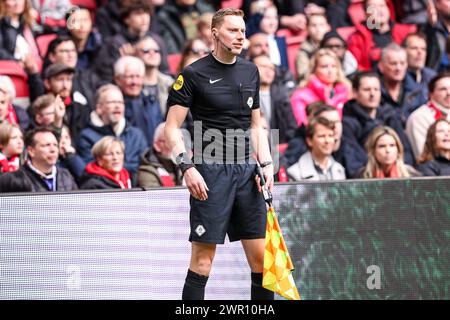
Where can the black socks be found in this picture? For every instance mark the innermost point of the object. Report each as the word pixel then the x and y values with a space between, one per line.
pixel 194 286
pixel 258 292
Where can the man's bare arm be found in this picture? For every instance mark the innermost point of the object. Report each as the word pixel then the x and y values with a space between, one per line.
pixel 194 181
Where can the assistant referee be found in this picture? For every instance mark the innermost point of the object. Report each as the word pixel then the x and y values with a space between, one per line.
pixel 222 92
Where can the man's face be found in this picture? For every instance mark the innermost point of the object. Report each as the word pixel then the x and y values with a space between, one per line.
pixel 441 92
pixel 337 46
pixel 394 66
pixel 4 101
pixel 111 107
pixel 138 23
pixel 232 33
pixel 416 51
pixel 45 152
pixel 148 50
pixel 333 116
pixel 131 81
pixel 258 45
pixel 322 143
pixel 46 116
pixel 266 70
pixel 81 24
pixel 379 10
pixel 369 92
pixel 60 84
pixel 65 53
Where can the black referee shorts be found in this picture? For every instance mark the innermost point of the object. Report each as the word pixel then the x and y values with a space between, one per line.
pixel 234 205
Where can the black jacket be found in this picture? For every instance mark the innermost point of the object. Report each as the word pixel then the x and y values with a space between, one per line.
pixel 439 166
pixel 8 37
pixel 436 38
pixel 64 180
pixel 93 181
pixel 357 126
pixel 171 28
pixel 282 117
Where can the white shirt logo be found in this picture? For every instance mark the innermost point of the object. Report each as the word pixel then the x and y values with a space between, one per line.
pixel 214 81
pixel 250 102
pixel 200 230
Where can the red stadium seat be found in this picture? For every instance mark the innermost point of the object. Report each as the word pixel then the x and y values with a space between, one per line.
pixel 43 42
pixel 356 12
pixel 174 61
pixel 231 4
pixel 293 44
pixel 345 32
pixel 19 77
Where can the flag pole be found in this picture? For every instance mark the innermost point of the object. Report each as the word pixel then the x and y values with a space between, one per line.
pixel 278 266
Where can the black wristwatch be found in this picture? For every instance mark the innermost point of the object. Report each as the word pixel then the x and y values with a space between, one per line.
pixel 183 162
pixel 265 164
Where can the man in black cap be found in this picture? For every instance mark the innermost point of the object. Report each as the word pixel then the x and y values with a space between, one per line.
pixel 333 41
pixel 58 80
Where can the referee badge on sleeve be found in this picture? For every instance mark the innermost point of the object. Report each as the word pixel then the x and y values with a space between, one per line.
pixel 250 102
pixel 178 84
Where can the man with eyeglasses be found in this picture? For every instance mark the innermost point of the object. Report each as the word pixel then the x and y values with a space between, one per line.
pixel 156 83
pixel 108 119
pixel 141 109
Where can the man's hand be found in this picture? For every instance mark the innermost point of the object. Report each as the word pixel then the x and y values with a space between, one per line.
pixel 60 111
pixel 127 49
pixel 313 8
pixel 432 13
pixel 296 22
pixel 195 183
pixel 268 176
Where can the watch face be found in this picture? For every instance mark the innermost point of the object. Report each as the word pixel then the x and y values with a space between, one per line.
pixel 180 159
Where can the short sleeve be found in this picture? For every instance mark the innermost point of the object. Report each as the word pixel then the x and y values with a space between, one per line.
pixel 182 90
pixel 256 97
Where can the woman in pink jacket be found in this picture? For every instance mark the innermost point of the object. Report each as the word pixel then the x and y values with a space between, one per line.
pixel 325 82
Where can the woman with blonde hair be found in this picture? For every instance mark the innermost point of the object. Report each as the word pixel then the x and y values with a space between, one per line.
pixel 325 81
pixel 107 170
pixel 435 158
pixel 11 147
pixel 385 156
pixel 17 41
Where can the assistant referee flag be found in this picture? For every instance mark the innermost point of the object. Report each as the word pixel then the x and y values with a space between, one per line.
pixel 278 266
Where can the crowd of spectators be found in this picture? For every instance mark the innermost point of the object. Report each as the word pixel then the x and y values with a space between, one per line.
pixel 356 89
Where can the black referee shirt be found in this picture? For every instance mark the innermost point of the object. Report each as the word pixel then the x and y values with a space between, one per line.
pixel 221 96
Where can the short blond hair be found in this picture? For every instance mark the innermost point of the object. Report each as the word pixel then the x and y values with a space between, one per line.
pixel 100 147
pixel 218 17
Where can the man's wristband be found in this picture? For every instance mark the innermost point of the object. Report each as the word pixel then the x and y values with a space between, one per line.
pixel 184 166
pixel 265 164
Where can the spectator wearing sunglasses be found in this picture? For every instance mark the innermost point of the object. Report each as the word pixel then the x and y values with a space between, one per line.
pixel 156 83
pixel 194 50
pixel 333 41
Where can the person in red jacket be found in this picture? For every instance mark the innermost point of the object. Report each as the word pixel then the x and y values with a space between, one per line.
pixel 377 32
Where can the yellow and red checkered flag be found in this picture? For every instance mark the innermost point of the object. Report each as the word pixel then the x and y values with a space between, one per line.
pixel 278 265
